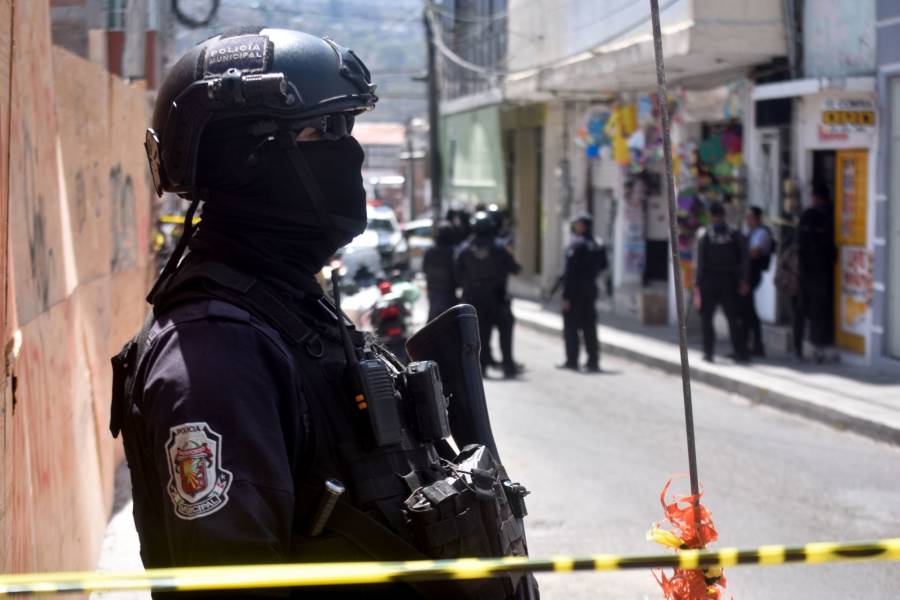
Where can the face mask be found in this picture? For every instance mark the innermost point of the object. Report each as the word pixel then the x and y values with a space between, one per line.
pixel 258 214
pixel 337 166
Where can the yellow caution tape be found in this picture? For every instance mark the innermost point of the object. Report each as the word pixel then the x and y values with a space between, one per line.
pixel 176 219
pixel 309 574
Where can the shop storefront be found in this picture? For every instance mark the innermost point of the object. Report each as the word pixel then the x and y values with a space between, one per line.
pixel 836 148
pixel 708 139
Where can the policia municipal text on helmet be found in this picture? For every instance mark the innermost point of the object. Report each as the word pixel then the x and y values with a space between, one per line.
pixel 258 426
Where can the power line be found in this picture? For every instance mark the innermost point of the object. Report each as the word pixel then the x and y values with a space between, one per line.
pixel 549 64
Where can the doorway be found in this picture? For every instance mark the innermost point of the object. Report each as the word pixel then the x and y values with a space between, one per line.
pixel 845 174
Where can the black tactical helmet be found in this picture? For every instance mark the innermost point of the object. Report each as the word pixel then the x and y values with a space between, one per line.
pixel 483 223
pixel 270 79
pixel 586 218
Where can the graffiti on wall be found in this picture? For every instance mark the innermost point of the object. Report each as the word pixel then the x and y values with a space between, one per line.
pixel 122 221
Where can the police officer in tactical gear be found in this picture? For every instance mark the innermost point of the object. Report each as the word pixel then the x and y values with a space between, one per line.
pixel 585 260
pixel 483 267
pixel 440 273
pixel 722 276
pixel 258 425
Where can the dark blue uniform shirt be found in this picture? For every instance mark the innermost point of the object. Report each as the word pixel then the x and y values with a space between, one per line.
pixel 583 266
pixel 222 411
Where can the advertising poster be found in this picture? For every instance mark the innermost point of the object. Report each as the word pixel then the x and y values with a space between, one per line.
pixel 856 289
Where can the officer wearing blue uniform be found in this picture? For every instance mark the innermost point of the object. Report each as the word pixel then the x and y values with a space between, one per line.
pixel 258 426
pixel 585 260
pixel 440 272
pixel 483 267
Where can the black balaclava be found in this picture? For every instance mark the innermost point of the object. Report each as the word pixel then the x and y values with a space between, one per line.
pixel 257 215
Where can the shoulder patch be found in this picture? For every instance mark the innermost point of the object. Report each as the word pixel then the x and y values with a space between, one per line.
pixel 198 484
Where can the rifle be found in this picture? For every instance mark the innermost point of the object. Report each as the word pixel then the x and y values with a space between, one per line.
pixel 452 340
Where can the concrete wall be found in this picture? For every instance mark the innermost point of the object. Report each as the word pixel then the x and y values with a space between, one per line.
pixel 77 265
pixel 886 268
pixel 838 38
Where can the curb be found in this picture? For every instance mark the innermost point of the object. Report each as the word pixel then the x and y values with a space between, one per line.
pixel 755 393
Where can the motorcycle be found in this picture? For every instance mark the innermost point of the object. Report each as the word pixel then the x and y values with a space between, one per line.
pixel 391 314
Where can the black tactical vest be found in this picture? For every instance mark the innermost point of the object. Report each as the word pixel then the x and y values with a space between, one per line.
pixel 721 250
pixel 411 499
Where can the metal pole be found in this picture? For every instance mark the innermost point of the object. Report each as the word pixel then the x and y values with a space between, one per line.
pixel 673 246
pixel 434 141
pixel 410 208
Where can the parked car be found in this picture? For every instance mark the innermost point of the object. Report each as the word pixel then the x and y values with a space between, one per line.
pixel 418 236
pixel 360 261
pixel 391 245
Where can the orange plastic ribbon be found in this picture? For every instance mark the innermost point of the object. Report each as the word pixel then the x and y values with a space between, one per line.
pixel 687 534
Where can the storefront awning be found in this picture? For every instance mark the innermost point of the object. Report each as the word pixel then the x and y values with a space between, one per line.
pixel 710 43
pixel 806 87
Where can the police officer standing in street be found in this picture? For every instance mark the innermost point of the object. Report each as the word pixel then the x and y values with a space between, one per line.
pixel 259 426
pixel 585 260
pixel 440 272
pixel 483 267
pixel 722 277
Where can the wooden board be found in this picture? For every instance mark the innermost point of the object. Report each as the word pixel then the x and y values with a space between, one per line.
pixel 36 237
pixel 5 398
pixel 79 267
pixel 85 136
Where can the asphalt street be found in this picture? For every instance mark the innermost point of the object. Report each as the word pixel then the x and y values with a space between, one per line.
pixel 596 451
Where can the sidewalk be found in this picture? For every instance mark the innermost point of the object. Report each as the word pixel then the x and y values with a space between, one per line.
pixel 859 399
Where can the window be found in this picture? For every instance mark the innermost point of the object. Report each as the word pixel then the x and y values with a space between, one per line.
pixel 115 15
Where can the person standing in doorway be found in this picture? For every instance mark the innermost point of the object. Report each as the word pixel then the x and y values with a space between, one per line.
pixel 760 245
pixel 585 260
pixel 722 278
pixel 817 253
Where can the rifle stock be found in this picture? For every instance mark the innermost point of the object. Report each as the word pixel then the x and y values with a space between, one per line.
pixel 452 340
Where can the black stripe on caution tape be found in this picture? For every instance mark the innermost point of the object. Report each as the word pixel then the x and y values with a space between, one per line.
pixel 310 574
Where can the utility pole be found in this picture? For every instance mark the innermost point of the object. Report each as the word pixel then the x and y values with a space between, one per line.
pixel 434 141
pixel 410 193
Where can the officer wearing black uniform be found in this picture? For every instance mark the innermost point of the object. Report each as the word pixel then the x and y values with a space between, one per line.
pixel 440 272
pixel 722 276
pixel 483 267
pixel 585 260
pixel 258 426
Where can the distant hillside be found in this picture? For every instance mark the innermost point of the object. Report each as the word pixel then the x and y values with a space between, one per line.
pixel 387 34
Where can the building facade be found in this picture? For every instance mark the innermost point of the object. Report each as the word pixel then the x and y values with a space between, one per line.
pixel 885 335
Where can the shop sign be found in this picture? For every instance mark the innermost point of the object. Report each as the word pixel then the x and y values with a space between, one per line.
pixel 841 117
pixel 856 288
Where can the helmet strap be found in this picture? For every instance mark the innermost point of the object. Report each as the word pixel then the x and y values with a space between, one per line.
pixel 166 274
